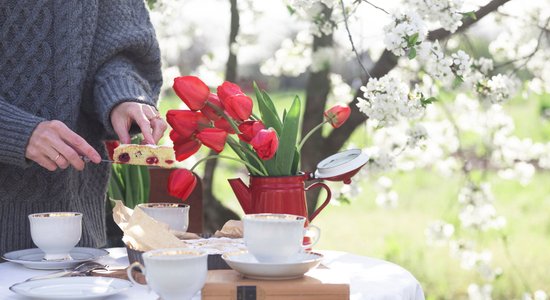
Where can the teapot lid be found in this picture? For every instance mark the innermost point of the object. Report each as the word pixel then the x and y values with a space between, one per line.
pixel 341 166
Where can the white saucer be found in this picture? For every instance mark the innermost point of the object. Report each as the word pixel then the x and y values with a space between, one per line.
pixel 32 258
pixel 246 264
pixel 71 287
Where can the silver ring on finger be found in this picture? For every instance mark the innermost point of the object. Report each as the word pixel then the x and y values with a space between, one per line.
pixel 57 157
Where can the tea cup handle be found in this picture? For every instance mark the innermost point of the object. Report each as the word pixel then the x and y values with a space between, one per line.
pixel 314 238
pixel 138 266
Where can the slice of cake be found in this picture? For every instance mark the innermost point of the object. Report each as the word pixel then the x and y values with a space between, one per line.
pixel 145 155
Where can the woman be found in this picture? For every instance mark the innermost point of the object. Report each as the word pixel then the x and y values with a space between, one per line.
pixel 72 74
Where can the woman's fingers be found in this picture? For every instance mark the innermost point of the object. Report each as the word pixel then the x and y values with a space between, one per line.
pixel 145 126
pixel 79 147
pixel 159 126
pixel 46 162
pixel 67 156
pixel 52 144
pixel 122 128
pixel 145 116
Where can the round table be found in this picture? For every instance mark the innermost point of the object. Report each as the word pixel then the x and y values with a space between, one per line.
pixel 369 278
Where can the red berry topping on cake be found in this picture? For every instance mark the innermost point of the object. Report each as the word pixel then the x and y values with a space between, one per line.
pixel 124 157
pixel 169 161
pixel 153 160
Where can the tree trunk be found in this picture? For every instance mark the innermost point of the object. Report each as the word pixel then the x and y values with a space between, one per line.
pixel 215 214
pixel 318 147
pixel 318 87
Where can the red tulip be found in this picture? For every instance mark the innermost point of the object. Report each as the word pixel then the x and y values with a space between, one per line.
pixel 213 138
pixel 249 129
pixel 337 115
pixel 265 143
pixel 186 122
pixel 192 91
pixel 227 89
pixel 111 145
pixel 224 124
pixel 238 107
pixel 184 147
pixel 210 112
pixel 181 183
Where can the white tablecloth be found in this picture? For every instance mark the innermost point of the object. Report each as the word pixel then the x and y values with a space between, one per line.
pixel 369 278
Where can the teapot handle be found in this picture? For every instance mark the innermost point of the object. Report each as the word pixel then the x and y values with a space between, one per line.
pixel 325 203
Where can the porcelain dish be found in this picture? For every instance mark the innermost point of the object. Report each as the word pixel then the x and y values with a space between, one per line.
pixel 33 258
pixel 71 288
pixel 246 264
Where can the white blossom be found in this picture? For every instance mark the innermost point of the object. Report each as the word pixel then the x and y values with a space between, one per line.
pixel 340 91
pixel 537 295
pixel 439 232
pixel 484 65
pixel 380 161
pixel 416 133
pixel 388 99
pixel 521 171
pixel 386 196
pixel 540 295
pixel 321 59
pixel 476 292
pixel 402 27
pixel 292 59
pixel 446 12
pixel 498 89
pixel 477 209
pixel 435 62
pixel 312 12
pixel 461 63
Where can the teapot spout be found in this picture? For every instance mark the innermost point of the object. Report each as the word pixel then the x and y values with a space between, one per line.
pixel 242 192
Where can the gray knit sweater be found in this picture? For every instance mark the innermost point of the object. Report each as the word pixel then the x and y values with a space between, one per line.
pixel 73 61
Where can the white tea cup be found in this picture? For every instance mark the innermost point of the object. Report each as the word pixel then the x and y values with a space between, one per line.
pixel 176 215
pixel 177 273
pixel 56 233
pixel 277 238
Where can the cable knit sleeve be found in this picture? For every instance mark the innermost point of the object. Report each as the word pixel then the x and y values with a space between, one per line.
pixel 16 127
pixel 126 56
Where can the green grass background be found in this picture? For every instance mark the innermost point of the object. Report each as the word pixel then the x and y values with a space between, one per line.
pixel 397 234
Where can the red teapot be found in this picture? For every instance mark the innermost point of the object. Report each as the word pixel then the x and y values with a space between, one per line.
pixel 286 194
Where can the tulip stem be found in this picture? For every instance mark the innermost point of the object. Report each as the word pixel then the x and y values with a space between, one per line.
pixel 230 158
pixel 250 153
pixel 225 116
pixel 309 134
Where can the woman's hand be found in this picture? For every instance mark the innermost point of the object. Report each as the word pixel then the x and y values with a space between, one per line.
pixel 53 145
pixel 145 116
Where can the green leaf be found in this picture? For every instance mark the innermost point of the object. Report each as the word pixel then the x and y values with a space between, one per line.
pixel 145 183
pixel 126 174
pixel 290 9
pixel 430 100
pixel 115 186
pixel 248 157
pixel 469 14
pixel 136 185
pixel 458 81
pixel 267 111
pixel 412 39
pixel 288 138
pixel 272 168
pixel 269 102
pixel 412 53
pixel 295 163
